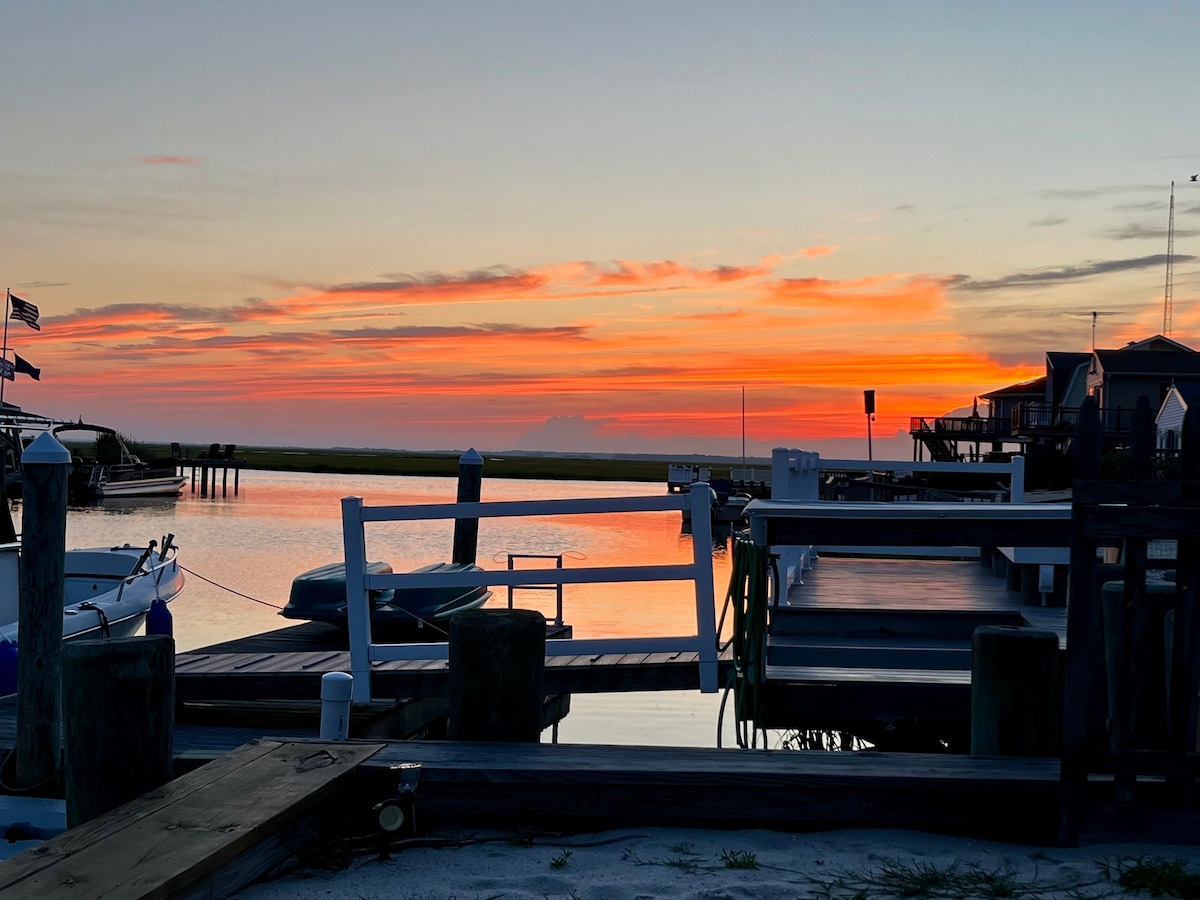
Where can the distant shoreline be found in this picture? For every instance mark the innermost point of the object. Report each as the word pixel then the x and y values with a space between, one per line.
pixel 401 462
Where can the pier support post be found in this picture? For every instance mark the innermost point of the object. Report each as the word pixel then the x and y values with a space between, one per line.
pixel 118 721
pixel 1014 691
pixel 44 467
pixel 497 667
pixel 470 489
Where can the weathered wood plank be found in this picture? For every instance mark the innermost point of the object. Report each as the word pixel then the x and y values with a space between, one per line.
pixel 163 844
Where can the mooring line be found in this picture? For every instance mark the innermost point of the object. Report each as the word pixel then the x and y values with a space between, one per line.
pixel 231 590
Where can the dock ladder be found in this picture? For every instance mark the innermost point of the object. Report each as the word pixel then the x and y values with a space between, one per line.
pixel 556 587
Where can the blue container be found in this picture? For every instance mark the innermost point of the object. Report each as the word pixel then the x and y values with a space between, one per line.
pixel 158 618
pixel 8 667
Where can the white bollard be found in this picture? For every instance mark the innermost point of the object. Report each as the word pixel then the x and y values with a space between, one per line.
pixel 336 688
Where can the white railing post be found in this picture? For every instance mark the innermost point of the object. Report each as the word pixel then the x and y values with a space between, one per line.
pixel 1016 485
pixel 358 606
pixel 701 497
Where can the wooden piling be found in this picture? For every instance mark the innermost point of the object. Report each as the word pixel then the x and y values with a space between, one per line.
pixel 44 467
pixel 470 487
pixel 1014 691
pixel 497 666
pixel 118 721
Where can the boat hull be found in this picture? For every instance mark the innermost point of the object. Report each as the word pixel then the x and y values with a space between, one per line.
pixel 319 595
pixel 108 590
pixel 142 487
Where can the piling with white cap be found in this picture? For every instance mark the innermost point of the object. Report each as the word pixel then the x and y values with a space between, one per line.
pixel 336 688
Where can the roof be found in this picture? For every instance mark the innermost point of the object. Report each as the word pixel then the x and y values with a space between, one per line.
pixel 1063 359
pixel 1035 387
pixel 1158 342
pixel 1149 362
pixel 1189 392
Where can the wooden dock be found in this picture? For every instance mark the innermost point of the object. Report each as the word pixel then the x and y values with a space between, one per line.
pixel 216 829
pixel 288 665
pixel 881 648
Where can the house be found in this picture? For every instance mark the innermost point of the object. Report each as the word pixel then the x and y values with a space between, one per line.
pixel 1040 415
pixel 1169 421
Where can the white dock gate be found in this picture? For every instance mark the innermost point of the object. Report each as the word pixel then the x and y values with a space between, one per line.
pixel 363 652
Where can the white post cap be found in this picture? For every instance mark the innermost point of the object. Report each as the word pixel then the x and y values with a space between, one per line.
pixel 46 451
pixel 337 686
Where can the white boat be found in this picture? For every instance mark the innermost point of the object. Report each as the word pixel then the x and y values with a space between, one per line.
pixel 108 589
pixel 131 477
pixel 132 480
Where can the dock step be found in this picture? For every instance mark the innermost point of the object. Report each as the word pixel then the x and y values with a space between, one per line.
pixel 913 654
pixel 876 623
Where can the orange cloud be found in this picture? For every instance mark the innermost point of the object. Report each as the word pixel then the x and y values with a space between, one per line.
pixel 372 355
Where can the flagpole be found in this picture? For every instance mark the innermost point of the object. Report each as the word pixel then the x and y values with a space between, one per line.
pixel 4 352
pixel 4 450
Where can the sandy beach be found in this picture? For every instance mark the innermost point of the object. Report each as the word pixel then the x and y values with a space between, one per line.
pixel 693 863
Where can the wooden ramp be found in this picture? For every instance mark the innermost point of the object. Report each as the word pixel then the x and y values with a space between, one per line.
pixel 204 835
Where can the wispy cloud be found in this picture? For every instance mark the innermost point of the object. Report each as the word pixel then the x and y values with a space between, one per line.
pixel 1138 232
pixel 1092 192
pixel 157 160
pixel 1048 222
pixel 1065 274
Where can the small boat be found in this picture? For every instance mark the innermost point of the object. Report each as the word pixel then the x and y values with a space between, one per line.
pixel 319 595
pixel 132 478
pixel 108 589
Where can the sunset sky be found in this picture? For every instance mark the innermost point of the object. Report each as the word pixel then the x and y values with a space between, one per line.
pixel 573 226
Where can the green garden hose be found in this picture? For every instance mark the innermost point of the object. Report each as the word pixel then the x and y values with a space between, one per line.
pixel 747 597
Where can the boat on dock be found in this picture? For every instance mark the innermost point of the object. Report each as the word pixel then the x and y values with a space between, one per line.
pixel 319 595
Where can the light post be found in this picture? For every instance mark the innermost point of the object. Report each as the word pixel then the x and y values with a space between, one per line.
pixel 869 407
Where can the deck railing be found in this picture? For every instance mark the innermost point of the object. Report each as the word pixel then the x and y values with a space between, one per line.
pixel 363 652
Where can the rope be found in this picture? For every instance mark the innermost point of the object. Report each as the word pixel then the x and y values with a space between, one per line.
pixel 425 623
pixel 231 590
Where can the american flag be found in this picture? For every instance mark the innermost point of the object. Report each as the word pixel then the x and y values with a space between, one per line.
pixel 25 311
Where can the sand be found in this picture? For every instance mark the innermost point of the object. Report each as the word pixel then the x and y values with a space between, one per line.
pixel 634 863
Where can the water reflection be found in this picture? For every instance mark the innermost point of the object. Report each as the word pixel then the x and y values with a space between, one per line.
pixel 283 524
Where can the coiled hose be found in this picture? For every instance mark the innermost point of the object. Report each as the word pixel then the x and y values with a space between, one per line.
pixel 747 598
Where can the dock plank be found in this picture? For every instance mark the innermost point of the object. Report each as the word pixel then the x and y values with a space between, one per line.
pixel 173 839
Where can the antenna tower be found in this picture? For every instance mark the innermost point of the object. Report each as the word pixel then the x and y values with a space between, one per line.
pixel 1170 267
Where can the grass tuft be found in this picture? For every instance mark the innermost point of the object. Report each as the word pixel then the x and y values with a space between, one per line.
pixel 739 859
pixel 1156 877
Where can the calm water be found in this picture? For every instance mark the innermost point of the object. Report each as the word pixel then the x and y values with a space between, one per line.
pixel 282 524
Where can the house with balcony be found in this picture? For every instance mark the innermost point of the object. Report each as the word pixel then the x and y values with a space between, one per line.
pixel 1039 416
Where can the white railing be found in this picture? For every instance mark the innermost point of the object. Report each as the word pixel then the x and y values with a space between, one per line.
pixel 363 652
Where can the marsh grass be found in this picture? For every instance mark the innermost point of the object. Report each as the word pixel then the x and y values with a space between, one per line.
pixel 1156 877
pixel 895 880
pixel 398 462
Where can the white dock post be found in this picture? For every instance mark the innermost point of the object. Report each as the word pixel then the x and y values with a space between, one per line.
pixel 336 690
pixel 1016 485
pixel 358 605
pixel 701 497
